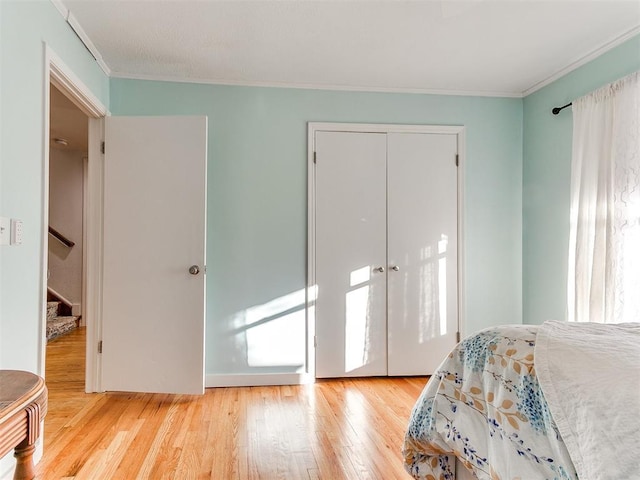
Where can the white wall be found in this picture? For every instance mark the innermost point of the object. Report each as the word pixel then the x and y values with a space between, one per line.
pixel 66 180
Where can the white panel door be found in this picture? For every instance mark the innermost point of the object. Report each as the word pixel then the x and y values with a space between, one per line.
pixel 154 231
pixel 350 249
pixel 423 251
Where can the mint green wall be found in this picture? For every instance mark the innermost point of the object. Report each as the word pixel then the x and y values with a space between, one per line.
pixel 546 180
pixel 24 26
pixel 257 196
pixel 515 250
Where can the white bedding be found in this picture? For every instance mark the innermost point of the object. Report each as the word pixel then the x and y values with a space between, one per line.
pixel 590 376
pixel 484 409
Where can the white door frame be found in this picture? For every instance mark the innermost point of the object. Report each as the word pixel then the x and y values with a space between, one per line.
pixel 62 77
pixel 314 127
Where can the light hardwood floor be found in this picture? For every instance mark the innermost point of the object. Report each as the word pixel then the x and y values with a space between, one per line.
pixel 333 430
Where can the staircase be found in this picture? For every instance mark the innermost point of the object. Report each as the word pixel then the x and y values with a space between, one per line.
pixel 59 321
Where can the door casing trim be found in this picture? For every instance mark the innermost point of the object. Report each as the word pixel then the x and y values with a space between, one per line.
pixel 57 73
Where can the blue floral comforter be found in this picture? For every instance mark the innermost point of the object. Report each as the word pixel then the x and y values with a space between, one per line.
pixel 485 407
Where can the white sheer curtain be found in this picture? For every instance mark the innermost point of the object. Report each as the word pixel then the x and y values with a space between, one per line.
pixel 604 241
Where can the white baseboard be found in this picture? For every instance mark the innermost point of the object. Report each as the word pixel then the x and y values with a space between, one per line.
pixel 261 380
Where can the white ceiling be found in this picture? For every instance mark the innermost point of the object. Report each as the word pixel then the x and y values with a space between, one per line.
pixel 454 46
pixel 67 122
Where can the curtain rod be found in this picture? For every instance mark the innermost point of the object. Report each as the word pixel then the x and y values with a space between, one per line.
pixel 557 110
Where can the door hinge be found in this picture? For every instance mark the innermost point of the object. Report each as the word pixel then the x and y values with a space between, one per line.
pixel 102 147
pixel 314 157
pixel 100 346
pixel 457 159
pixel 458 337
pixel 315 341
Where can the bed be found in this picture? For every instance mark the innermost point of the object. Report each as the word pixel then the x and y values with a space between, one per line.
pixel 558 401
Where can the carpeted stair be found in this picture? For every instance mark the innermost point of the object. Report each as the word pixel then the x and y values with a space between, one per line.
pixel 58 324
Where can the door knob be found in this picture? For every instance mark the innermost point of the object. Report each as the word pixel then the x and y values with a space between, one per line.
pixel 379 269
pixel 395 268
pixel 194 269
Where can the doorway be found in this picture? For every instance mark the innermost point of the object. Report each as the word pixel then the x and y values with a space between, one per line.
pixel 108 248
pixel 65 361
pixel 77 240
pixel 68 155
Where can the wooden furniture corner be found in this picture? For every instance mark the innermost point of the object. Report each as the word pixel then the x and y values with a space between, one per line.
pixel 23 404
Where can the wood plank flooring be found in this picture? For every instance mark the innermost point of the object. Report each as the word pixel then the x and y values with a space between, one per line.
pixel 333 430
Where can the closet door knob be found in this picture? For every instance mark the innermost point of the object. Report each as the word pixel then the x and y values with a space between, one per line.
pixel 379 269
pixel 395 268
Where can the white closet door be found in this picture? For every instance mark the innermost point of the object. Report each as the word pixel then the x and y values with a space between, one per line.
pixel 422 236
pixel 351 247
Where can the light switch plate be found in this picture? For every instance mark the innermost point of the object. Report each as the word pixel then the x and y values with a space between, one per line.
pixel 16 232
pixel 5 231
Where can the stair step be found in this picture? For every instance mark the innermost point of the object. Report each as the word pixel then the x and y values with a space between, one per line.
pixel 52 310
pixel 60 325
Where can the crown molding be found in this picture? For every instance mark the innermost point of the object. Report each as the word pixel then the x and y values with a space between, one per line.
pixel 64 11
pixel 309 86
pixel 82 35
pixel 583 60
pixel 84 38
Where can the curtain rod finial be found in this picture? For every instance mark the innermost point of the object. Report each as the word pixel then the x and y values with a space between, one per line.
pixel 557 110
